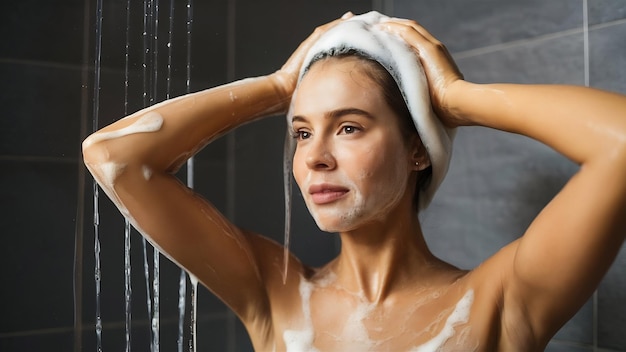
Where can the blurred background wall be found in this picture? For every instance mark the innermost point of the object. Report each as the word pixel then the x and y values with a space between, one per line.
pixel 497 183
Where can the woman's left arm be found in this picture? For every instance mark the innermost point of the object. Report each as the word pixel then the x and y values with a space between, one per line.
pixel 568 248
pixel 561 258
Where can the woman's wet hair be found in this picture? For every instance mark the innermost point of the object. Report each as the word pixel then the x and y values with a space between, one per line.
pixel 393 97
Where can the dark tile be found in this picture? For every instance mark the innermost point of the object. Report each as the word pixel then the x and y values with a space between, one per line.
pixel 210 335
pixel 567 346
pixel 259 177
pixel 602 11
pixel 210 181
pixel 40 109
pixel 612 305
pixel 475 213
pixel 263 48
pixel 209 44
pixel 462 26
pixel 579 329
pixel 38 201
pixel 607 55
pixel 553 61
pixel 43 31
pixel 243 343
pixel 42 342
pixel 111 234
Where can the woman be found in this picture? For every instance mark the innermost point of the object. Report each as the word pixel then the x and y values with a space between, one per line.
pixel 360 167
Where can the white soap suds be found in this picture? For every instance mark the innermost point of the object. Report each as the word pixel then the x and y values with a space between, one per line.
pixel 302 340
pixel 105 174
pixel 150 122
pixel 355 329
pixel 460 315
pixel 363 34
pixel 147 172
pixel 109 171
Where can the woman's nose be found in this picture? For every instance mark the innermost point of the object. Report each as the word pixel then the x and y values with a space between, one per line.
pixel 320 157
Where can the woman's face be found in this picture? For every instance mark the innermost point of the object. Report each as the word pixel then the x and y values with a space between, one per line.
pixel 351 162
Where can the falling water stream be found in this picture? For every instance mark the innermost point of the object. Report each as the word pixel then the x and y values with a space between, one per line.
pixel 96 219
pixel 146 102
pixel 150 97
pixel 190 164
pixel 156 255
pixel 127 228
pixel 127 285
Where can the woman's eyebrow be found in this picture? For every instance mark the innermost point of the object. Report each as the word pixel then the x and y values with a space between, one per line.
pixel 334 114
pixel 348 111
pixel 298 118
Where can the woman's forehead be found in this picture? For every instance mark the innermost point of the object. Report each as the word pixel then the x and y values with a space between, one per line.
pixel 334 84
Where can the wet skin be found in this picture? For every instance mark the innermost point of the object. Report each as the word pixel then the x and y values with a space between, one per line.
pixel 385 290
pixel 350 145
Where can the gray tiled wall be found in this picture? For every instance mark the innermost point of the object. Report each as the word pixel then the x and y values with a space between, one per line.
pixel 46 100
pixel 522 42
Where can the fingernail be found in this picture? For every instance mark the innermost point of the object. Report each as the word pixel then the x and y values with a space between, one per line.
pixel 347 15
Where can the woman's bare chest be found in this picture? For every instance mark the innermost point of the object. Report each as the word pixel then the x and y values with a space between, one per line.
pixel 330 318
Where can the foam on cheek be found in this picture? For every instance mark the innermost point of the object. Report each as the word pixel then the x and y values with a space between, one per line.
pixel 363 34
pixel 150 122
pixel 347 216
pixel 359 203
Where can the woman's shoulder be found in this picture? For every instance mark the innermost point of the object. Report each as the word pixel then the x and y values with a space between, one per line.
pixel 276 263
pixel 503 315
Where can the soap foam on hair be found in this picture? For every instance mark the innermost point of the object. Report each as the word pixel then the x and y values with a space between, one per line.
pixel 361 34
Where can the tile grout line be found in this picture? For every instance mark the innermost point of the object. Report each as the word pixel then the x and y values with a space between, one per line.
pixel 387 7
pixel 112 325
pixel 515 43
pixel 594 298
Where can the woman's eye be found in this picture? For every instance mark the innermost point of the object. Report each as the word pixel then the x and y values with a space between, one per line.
pixel 300 135
pixel 349 129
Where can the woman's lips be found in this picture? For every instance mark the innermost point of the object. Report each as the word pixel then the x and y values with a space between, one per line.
pixel 326 193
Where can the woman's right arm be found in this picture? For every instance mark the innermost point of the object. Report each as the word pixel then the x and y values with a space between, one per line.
pixel 134 159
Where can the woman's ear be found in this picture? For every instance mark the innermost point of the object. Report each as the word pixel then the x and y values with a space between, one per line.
pixel 419 155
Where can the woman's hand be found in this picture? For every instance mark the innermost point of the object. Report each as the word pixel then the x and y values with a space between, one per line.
pixel 287 77
pixel 439 67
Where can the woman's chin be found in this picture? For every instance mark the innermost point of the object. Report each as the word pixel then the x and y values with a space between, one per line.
pixel 337 224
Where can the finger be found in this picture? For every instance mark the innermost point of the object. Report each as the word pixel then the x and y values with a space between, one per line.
pixel 416 40
pixel 399 25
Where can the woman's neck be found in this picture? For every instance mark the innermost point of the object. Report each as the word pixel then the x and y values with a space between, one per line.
pixel 382 257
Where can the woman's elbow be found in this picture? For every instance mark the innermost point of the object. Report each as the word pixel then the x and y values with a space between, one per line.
pixel 100 163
